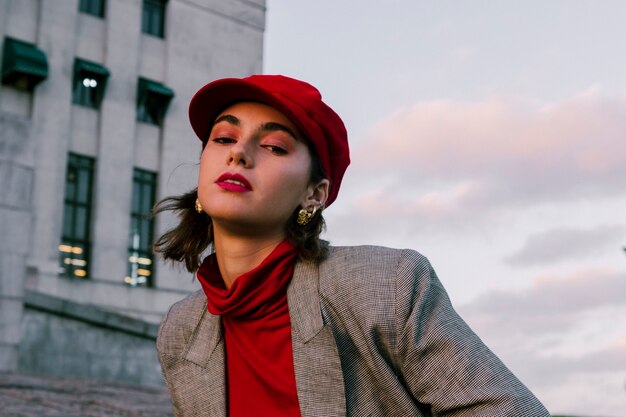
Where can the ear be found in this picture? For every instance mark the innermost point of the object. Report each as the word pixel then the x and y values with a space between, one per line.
pixel 316 194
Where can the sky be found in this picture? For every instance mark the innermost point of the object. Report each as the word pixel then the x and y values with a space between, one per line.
pixel 489 136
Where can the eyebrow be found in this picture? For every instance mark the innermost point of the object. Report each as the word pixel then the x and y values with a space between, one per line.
pixel 265 127
pixel 227 118
pixel 277 127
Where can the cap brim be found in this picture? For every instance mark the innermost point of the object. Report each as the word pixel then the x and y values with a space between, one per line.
pixel 215 97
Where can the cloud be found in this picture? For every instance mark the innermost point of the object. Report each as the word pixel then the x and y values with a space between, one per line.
pixel 510 152
pixel 552 296
pixel 563 243
pixel 559 334
pixel 463 53
pixel 585 394
pixel 555 368
pixel 589 384
pixel 557 314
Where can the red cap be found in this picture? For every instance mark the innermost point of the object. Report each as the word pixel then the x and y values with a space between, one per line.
pixel 300 102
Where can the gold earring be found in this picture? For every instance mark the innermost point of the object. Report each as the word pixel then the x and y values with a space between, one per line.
pixel 198 206
pixel 305 216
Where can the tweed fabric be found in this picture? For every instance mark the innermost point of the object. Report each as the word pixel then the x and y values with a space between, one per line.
pixel 373 334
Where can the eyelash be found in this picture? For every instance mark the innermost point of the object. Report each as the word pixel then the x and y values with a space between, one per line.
pixel 272 148
pixel 276 149
pixel 223 141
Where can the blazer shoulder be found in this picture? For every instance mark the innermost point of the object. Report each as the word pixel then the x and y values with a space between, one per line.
pixel 362 272
pixel 180 322
pixel 374 258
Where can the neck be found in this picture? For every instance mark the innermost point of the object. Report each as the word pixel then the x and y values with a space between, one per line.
pixel 237 255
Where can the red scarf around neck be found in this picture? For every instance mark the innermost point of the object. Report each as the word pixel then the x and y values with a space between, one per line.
pixel 257 333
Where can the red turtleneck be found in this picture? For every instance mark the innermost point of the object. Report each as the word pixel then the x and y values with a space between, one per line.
pixel 257 332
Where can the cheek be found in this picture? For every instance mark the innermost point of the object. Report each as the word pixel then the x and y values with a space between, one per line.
pixel 206 162
pixel 294 180
pixel 204 175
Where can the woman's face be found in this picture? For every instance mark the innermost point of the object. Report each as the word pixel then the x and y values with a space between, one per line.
pixel 254 170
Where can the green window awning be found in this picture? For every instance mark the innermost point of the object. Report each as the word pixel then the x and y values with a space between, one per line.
pixel 91 68
pixel 147 86
pixel 23 64
pixel 153 99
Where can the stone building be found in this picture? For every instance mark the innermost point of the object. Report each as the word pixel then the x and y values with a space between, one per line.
pixel 93 131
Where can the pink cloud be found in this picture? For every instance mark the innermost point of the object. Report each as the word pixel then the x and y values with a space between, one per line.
pixel 515 151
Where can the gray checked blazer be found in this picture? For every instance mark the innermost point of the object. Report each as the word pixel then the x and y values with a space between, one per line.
pixel 373 333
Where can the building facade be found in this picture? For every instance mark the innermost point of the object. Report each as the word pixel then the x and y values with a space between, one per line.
pixel 93 131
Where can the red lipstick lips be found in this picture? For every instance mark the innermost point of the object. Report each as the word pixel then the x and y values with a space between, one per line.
pixel 234 182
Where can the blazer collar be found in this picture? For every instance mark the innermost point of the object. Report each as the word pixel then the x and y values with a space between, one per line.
pixel 204 370
pixel 304 302
pixel 205 339
pixel 304 313
pixel 319 378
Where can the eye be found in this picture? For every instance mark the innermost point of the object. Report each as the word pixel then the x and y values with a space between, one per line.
pixel 223 140
pixel 275 149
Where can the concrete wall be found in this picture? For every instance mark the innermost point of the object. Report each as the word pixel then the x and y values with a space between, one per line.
pixel 16 177
pixel 64 338
pixel 204 40
pixel 17 150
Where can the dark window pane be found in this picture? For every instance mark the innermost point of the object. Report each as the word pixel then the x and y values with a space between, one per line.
pixel 153 17
pixel 80 230
pixel 153 105
pixel 84 185
pixel 146 200
pixel 70 183
pixel 68 227
pixel 92 7
pixel 155 27
pixel 153 99
pixel 89 83
pixel 145 19
pixel 136 197
pixel 85 91
pixel 145 242
pixel 74 247
pixel 140 259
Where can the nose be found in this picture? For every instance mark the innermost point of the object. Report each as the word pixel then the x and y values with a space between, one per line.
pixel 240 155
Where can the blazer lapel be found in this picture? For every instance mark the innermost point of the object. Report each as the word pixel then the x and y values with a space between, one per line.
pixel 205 375
pixel 319 379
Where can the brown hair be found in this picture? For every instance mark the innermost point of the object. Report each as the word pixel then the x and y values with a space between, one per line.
pixel 191 237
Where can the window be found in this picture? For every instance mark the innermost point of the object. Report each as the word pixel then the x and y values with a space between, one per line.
pixel 23 64
pixel 153 17
pixel 92 7
pixel 75 238
pixel 140 269
pixel 153 98
pixel 89 83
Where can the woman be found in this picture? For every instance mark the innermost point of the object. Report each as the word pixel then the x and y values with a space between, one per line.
pixel 286 325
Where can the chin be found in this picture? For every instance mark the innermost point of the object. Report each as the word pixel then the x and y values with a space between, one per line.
pixel 230 216
pixel 246 224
